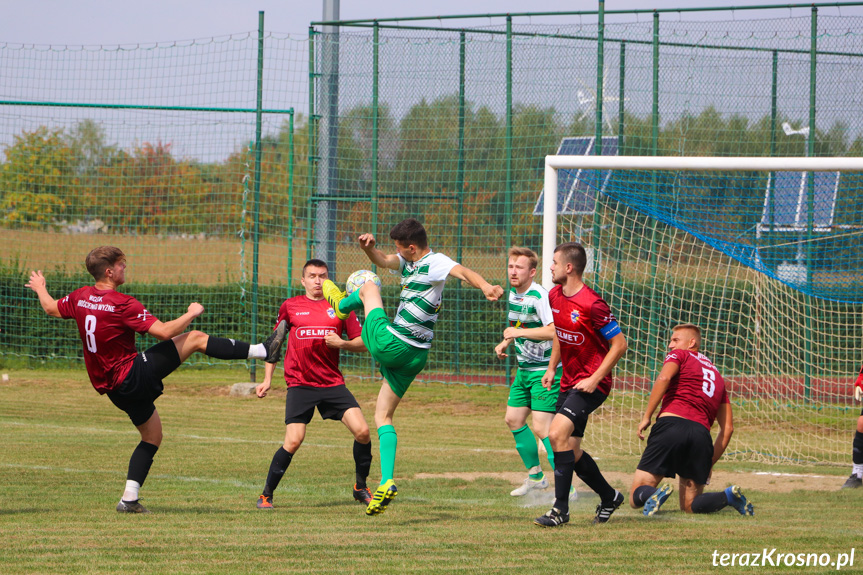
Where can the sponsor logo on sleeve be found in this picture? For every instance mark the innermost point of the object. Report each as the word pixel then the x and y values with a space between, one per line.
pixel 143 316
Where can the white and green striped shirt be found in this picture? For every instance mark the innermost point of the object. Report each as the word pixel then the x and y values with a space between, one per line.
pixel 420 299
pixel 526 311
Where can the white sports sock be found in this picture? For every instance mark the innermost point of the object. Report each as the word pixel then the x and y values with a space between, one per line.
pixel 131 493
pixel 257 351
pixel 857 470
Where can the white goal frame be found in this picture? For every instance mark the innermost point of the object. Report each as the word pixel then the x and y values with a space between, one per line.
pixel 652 163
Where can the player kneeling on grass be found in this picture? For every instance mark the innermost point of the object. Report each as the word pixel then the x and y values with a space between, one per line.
pixel 107 322
pixel 693 395
pixel 531 330
pixel 401 347
pixel 314 380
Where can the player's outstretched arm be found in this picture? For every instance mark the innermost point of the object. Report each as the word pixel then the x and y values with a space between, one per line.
pixel 367 244
pixel 37 284
pixel 491 292
pixel 544 333
pixel 669 370
pixel 166 330
pixel 725 419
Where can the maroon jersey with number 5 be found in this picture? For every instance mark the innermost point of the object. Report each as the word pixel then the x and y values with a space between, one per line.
pixel 308 360
pixel 107 321
pixel 697 391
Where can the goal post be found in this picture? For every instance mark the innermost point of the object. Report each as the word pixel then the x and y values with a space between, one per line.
pixel 692 240
pixel 680 163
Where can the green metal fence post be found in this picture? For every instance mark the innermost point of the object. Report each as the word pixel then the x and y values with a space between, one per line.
pixel 460 191
pixel 375 134
pixel 621 91
pixel 810 204
pixel 774 90
pixel 597 146
pixel 653 331
pixel 290 203
pixel 509 183
pixel 256 232
pixel 312 127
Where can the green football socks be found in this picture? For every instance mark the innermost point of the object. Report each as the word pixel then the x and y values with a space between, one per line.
pixel 351 303
pixel 387 443
pixel 525 444
pixel 548 451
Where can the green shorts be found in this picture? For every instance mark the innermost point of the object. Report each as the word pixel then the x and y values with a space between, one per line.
pixel 400 362
pixel 527 391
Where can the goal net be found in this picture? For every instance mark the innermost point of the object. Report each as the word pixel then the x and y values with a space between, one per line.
pixel 764 254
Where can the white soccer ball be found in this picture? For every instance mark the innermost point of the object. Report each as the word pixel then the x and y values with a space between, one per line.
pixel 359 277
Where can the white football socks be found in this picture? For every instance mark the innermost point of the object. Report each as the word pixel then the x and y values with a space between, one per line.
pixel 257 351
pixel 131 493
pixel 857 470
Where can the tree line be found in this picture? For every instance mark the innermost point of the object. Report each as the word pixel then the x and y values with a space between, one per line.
pixel 51 177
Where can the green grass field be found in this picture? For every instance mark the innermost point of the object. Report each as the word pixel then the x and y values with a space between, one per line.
pixel 64 452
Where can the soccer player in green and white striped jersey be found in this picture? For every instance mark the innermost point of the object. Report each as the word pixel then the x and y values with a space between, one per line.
pixel 531 330
pixel 401 347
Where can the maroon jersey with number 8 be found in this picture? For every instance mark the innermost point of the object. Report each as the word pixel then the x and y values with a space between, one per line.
pixel 107 321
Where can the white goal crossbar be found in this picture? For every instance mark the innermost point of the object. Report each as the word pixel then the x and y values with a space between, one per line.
pixel 684 163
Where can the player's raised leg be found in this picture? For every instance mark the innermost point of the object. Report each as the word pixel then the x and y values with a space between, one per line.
pixel 366 298
pixel 224 348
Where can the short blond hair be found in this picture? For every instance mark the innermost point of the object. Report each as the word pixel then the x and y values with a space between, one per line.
pixel 516 251
pixel 691 327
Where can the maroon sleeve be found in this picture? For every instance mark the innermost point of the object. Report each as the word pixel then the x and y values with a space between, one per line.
pixel 600 314
pixel 283 315
pixel 724 396
pixel 66 305
pixel 352 326
pixel 675 356
pixel 136 317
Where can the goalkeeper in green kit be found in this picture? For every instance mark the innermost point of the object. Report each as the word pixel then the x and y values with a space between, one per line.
pixel 401 346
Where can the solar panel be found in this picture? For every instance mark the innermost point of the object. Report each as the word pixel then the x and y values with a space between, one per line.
pixel 576 189
pixel 786 201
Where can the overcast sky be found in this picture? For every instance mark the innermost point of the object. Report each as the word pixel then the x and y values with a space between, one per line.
pixel 104 22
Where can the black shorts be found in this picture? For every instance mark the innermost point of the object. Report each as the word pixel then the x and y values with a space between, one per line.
pixel 143 385
pixel 332 403
pixel 577 406
pixel 678 446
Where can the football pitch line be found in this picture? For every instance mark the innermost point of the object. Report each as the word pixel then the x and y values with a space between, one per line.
pixel 271 442
pixel 231 482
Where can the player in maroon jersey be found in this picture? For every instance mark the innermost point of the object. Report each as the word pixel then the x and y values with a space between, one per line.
pixel 693 396
pixel 589 342
pixel 107 322
pixel 855 480
pixel 314 380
